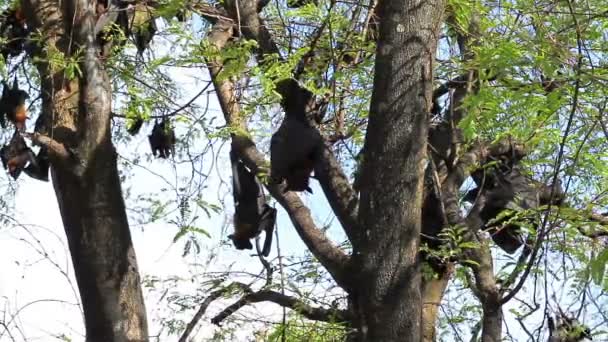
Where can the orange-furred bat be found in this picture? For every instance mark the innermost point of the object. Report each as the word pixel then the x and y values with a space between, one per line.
pixel 12 105
pixel 17 155
pixel 15 31
pixel 251 215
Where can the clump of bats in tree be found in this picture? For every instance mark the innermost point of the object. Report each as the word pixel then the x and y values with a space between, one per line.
pixel 16 156
pixel 294 151
pixel 115 19
pixel 509 198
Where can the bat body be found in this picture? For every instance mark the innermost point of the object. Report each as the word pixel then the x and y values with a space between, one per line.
pixel 509 190
pixel 295 146
pixel 16 155
pixel 142 26
pixel 12 105
pixel 251 215
pixel 15 32
pixel 40 169
pixel 135 126
pixel 162 139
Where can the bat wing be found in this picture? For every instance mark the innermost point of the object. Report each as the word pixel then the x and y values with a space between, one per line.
pixel 267 222
pixel 40 169
pixel 4 155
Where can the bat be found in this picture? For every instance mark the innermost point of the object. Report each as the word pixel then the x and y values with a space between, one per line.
pixel 135 126
pixel 40 169
pixel 12 105
pixel 295 146
pixel 15 32
pixel 16 156
pixel 252 214
pixel 162 139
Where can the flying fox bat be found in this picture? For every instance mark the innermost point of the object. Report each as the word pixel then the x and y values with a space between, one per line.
pixel 252 215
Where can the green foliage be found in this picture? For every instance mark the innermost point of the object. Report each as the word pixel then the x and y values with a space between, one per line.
pixel 597 268
pixel 453 245
pixel 298 329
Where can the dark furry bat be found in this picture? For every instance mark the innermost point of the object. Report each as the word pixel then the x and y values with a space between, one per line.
pixel 15 31
pixel 134 126
pixel 17 155
pixel 40 169
pixel 295 146
pixel 162 139
pixel 510 190
pixel 252 215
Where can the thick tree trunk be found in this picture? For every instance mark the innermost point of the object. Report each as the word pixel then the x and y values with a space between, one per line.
pixel 388 292
pixel 492 322
pixel 104 261
pixel 76 118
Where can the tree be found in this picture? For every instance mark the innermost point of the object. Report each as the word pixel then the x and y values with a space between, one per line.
pixel 75 127
pixel 408 231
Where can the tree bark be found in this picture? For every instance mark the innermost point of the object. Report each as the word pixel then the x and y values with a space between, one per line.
pixel 76 114
pixel 432 293
pixel 388 299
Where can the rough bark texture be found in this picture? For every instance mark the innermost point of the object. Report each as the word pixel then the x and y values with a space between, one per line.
pixel 388 300
pixel 77 116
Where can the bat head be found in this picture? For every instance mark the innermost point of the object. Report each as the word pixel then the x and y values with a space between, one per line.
pixel 20 96
pixel 240 243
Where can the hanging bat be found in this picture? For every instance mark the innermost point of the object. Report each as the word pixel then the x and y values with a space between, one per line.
pixel 12 105
pixel 142 26
pixel 134 126
pixel 40 169
pixel 295 146
pixel 16 156
pixel 252 214
pixel 162 139
pixel 510 190
pixel 15 32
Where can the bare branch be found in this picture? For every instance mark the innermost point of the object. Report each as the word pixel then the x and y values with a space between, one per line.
pixel 312 313
pixel 201 311
pixel 210 12
pixel 55 148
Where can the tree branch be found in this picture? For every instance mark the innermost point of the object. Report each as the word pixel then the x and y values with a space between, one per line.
pixel 201 311
pixel 310 312
pixel 55 148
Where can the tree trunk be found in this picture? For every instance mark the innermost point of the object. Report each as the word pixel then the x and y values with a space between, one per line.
pixel 76 118
pixel 432 293
pixel 492 322
pixel 388 292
